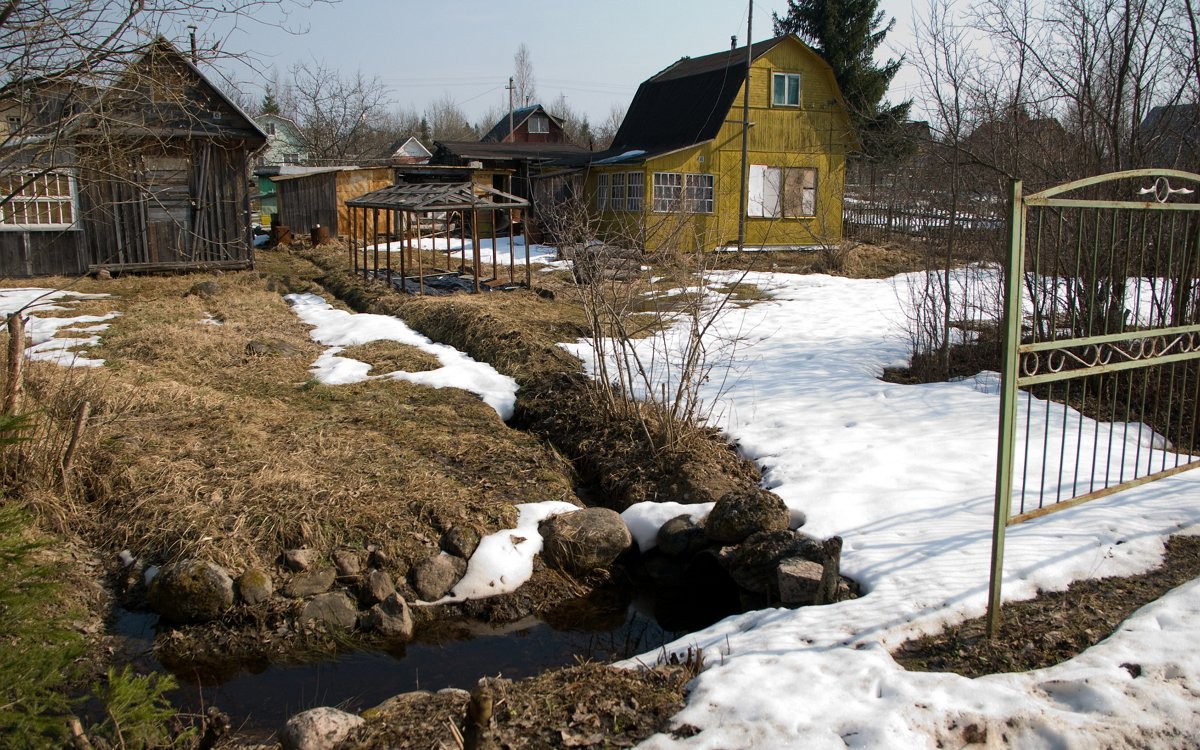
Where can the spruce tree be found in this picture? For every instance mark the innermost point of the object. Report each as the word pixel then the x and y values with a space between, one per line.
pixel 846 34
pixel 269 106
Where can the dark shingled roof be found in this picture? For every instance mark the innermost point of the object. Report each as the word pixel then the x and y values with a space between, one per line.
pixel 500 131
pixel 687 102
pixel 468 150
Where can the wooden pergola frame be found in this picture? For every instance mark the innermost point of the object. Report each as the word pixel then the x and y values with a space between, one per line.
pixel 416 211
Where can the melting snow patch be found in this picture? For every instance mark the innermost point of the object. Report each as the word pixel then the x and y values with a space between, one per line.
pixel 44 347
pixel 339 329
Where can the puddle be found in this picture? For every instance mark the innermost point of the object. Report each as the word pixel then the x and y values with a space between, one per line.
pixel 259 697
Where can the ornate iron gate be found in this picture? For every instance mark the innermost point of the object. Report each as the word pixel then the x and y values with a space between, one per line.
pixel 1100 381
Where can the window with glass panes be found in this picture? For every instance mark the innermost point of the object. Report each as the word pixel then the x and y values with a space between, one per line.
pixel 698 196
pixel 601 192
pixel 785 89
pixel 617 193
pixel 38 201
pixel 635 189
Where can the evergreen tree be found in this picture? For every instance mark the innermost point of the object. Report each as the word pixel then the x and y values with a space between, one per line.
pixel 846 34
pixel 270 105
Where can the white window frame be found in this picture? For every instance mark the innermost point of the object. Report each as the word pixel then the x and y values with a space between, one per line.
pixel 539 123
pixel 767 196
pixel 602 191
pixel 699 191
pixel 616 195
pixel 667 191
pixel 782 90
pixel 635 191
pixel 71 200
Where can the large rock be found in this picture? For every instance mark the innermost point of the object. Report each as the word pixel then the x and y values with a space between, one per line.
pixel 460 541
pixel 255 586
pixel 318 729
pixel 585 540
pixel 737 515
pixel 299 559
pixel 191 591
pixel 433 577
pixel 335 611
pixel 311 582
pixel 391 618
pixel 681 537
pixel 753 564
pixel 348 564
pixel 376 587
pixel 798 581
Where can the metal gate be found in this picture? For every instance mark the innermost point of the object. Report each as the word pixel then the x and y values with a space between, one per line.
pixel 1100 381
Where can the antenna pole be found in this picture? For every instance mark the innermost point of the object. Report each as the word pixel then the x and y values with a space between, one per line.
pixel 741 243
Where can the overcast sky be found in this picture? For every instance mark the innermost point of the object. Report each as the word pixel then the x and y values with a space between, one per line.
pixel 596 53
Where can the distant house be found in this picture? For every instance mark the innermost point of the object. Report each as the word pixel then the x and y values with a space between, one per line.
pixel 532 124
pixel 148 174
pixel 673 174
pixel 285 144
pixel 407 151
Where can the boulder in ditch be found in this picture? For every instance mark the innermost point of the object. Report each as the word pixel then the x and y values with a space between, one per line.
pixel 681 537
pixel 584 540
pixel 739 514
pixel 391 618
pixel 335 611
pixel 191 591
pixel 255 586
pixel 310 582
pixel 433 577
pixel 318 729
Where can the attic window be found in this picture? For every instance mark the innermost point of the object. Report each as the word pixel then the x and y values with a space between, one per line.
pixel 539 124
pixel 785 89
pixel 14 123
pixel 270 128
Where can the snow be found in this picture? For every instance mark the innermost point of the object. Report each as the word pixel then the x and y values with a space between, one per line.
pixel 338 329
pixel 502 251
pixel 504 560
pixel 905 475
pixel 43 330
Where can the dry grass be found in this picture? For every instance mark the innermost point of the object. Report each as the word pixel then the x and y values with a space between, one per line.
pixel 200 449
pixel 853 260
pixel 392 356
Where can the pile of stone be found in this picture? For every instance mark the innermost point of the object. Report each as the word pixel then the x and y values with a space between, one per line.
pixel 747 542
pixel 344 590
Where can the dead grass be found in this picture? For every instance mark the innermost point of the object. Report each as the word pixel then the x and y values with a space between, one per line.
pixel 206 451
pixel 851 259
pixel 392 356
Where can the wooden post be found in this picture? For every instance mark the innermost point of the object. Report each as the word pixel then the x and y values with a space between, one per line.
pixel 495 267
pixel 512 250
pixel 525 242
pixel 375 236
pixel 390 214
pixel 449 262
pixel 16 361
pixel 81 418
pixel 421 263
pixel 475 258
pixel 353 243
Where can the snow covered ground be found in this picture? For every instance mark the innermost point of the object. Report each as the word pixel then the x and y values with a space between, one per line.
pixel 502 251
pixel 905 475
pixel 42 326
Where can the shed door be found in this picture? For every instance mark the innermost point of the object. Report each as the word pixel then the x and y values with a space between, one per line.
pixel 168 207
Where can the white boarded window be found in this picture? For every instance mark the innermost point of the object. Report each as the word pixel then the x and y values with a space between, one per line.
pixel 37 201
pixel 635 190
pixel 601 192
pixel 781 191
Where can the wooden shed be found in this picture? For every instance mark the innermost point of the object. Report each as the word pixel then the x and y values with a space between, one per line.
pixel 148 174
pixel 319 196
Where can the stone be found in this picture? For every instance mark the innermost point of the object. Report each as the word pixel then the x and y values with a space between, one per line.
pixel 334 610
pixel 265 347
pixel 391 618
pixel 681 537
pixel 318 729
pixel 584 540
pixel 347 563
pixel 798 581
pixel 737 515
pixel 753 563
pixel 299 559
pixel 255 586
pixel 310 582
pixel 191 591
pixel 102 274
pixel 207 289
pixel 433 577
pixel 376 587
pixel 460 541
pixel 377 558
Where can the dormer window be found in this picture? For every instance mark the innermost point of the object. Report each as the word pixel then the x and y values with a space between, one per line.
pixel 785 89
pixel 270 128
pixel 539 124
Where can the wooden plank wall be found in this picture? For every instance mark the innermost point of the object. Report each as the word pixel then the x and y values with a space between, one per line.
pixel 351 184
pixel 308 200
pixel 48 253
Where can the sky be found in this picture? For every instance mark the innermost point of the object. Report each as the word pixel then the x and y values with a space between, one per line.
pixel 594 53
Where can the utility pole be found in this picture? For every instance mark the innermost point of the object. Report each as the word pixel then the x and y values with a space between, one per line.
pixel 745 179
pixel 510 108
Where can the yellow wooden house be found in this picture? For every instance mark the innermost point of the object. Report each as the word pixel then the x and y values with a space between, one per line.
pixel 671 180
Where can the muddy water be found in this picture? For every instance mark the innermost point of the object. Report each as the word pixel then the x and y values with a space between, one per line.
pixel 259 697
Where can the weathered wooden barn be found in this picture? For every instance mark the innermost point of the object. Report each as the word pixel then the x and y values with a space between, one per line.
pixel 150 173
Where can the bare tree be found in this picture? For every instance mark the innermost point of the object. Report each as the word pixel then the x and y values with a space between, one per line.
pixel 338 114
pixel 608 129
pixel 523 82
pixel 447 122
pixel 575 124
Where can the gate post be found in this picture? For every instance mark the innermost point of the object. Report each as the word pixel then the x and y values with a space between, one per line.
pixel 1013 316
